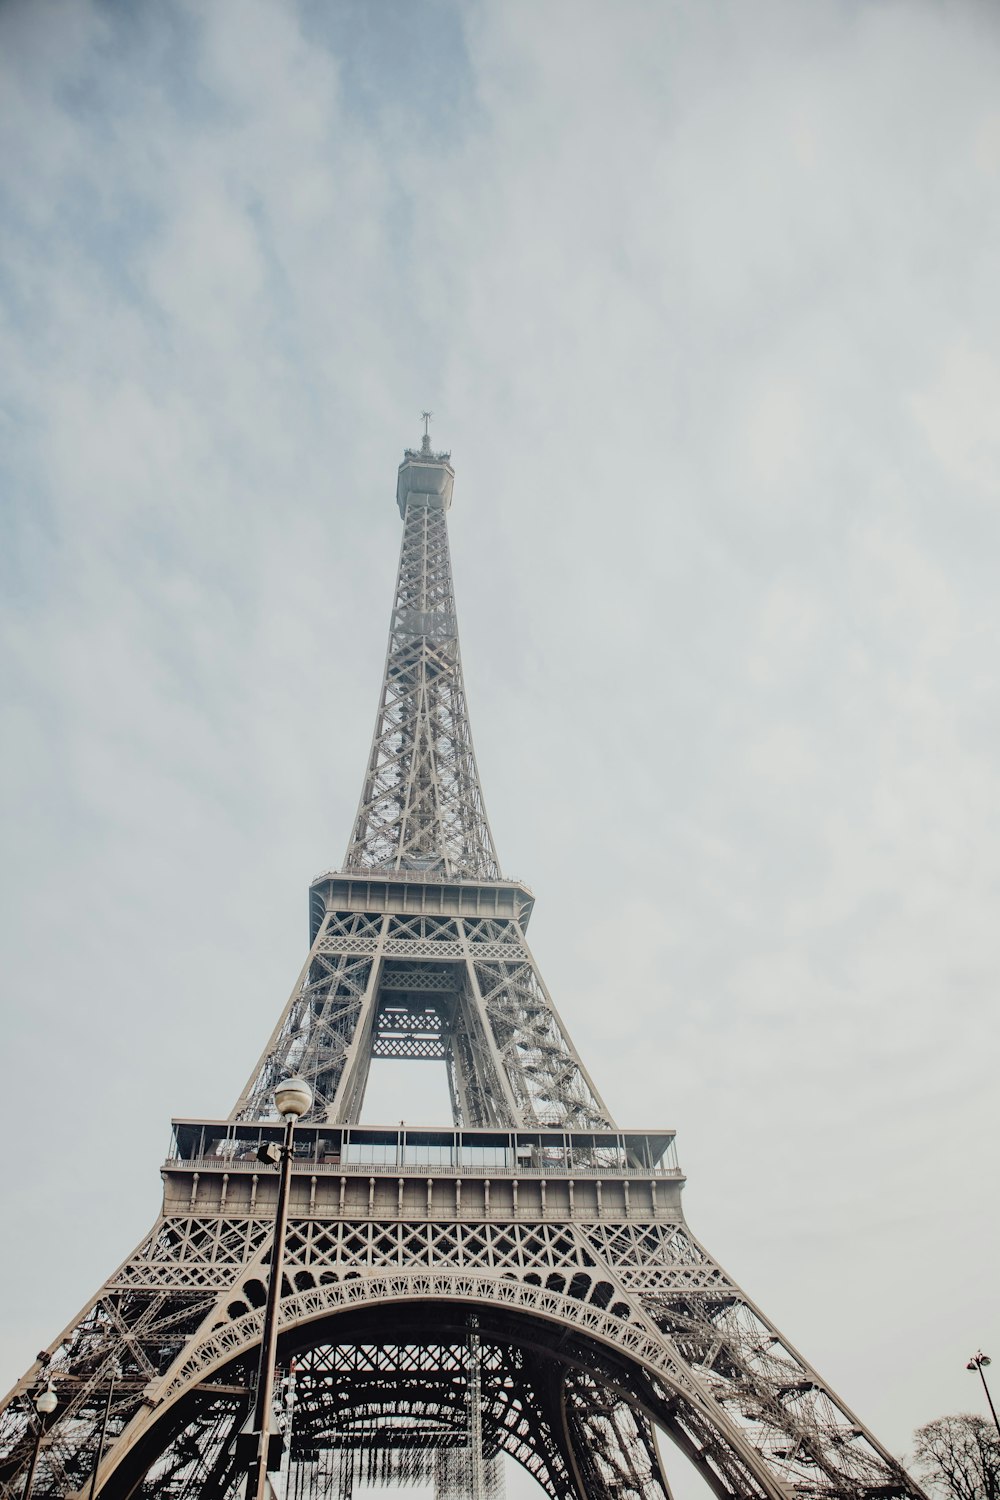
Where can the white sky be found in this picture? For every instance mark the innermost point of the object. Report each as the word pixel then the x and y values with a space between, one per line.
pixel 705 299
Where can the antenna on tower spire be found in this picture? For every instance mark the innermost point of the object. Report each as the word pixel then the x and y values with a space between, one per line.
pixel 425 443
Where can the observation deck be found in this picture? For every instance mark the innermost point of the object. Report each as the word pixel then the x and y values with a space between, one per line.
pixel 425 1172
pixel 425 478
pixel 423 892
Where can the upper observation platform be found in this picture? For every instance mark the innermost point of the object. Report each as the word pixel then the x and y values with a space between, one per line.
pixel 417 892
pixel 425 478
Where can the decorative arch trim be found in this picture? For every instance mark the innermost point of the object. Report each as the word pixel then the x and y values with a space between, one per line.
pixel 633 1337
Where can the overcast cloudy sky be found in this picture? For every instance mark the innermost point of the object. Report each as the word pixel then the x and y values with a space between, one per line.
pixel 705 299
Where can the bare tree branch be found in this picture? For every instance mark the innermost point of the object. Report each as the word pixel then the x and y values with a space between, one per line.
pixel 960 1457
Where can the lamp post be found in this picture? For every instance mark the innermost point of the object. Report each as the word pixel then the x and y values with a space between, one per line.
pixel 45 1404
pixel 292 1099
pixel 978 1360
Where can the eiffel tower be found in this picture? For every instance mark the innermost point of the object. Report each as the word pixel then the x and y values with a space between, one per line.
pixel 528 1264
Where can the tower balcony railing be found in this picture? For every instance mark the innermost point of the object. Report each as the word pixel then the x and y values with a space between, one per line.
pixel 423 876
pixel 231 1146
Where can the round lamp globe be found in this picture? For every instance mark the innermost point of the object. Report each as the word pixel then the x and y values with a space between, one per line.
pixel 293 1097
pixel 47 1402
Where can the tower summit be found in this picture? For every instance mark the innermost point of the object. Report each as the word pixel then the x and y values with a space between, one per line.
pixel 519 1280
pixel 422 481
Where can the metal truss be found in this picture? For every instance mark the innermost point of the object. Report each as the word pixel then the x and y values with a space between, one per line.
pixel 639 1308
pixel 421 806
pixel 365 992
pixel 554 1307
pixel 612 1440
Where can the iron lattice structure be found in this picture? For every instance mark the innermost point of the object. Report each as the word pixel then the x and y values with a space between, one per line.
pixel 520 1282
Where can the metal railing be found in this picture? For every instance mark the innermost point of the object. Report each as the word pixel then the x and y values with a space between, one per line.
pixel 418 877
pixel 306 1164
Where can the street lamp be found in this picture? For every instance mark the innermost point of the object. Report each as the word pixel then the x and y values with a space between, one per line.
pixel 292 1099
pixel 45 1404
pixel 978 1360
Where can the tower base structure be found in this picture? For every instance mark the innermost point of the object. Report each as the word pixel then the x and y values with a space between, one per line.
pixel 600 1319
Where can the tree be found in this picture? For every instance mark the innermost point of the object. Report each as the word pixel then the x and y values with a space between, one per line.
pixel 961 1456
